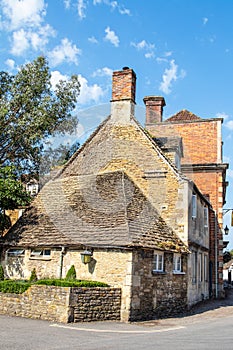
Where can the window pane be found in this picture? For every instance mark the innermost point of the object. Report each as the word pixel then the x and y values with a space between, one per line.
pixel 15 252
pixel 177 262
pixel 158 262
pixel 47 252
pixel 194 206
pixel 36 252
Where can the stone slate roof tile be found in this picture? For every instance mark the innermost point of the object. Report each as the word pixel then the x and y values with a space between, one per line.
pixel 106 210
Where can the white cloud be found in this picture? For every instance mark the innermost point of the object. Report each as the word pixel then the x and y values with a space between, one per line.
pixel 103 72
pixel 169 76
pixel 67 4
pixel 114 6
pixel 93 40
pixel 20 42
pixel 168 53
pixel 56 76
pixel 24 19
pixel 124 11
pixel 81 6
pixel 205 20
pixel 222 115
pixel 161 60
pixel 23 39
pixel 10 63
pixel 65 52
pixel 229 124
pixel 149 55
pixel 112 37
pixel 21 13
pixel 143 45
pixel 89 93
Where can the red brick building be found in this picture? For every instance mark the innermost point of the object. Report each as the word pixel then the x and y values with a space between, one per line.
pixel 202 162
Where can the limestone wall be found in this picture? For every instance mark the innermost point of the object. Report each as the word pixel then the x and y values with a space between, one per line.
pixel 39 302
pixel 160 294
pixel 95 304
pixel 63 304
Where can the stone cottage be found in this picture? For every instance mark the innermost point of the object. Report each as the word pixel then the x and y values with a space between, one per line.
pixel 123 200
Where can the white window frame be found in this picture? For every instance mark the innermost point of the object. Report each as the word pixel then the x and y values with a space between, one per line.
pixel 158 261
pixel 177 263
pixel 40 253
pixel 14 252
pixel 194 206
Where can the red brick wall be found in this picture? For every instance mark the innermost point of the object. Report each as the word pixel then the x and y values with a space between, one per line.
pixel 200 139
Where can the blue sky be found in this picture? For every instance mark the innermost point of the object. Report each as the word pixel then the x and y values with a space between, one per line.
pixel 180 49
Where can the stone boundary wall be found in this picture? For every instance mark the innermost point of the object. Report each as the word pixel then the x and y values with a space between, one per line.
pixel 63 304
pixel 95 304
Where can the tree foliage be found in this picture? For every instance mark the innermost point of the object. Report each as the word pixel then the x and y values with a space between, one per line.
pixel 30 111
pixel 71 273
pixel 12 194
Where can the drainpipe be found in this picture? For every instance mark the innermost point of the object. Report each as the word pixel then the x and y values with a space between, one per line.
pixel 216 257
pixel 61 261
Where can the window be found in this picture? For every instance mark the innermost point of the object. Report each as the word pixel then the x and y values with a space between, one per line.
pixel 158 262
pixel 205 268
pixel 206 220
pixel 40 253
pixel 200 267
pixel 194 206
pixel 177 263
pixel 15 252
pixel 194 267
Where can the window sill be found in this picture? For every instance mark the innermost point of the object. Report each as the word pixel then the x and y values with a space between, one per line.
pixel 40 258
pixel 178 273
pixel 154 272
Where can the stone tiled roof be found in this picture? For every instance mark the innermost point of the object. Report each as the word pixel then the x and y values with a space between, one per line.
pixel 183 115
pixel 106 210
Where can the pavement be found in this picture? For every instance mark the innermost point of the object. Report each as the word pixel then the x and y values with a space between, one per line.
pixel 205 310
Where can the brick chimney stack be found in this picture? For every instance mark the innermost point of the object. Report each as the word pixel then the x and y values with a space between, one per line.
pixel 154 109
pixel 123 95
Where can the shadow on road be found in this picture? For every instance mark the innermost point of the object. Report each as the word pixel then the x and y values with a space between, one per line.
pixel 212 304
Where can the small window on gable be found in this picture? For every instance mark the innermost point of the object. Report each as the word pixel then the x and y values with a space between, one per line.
pixel 158 263
pixel 15 252
pixel 177 266
pixel 40 253
pixel 206 220
pixel 194 206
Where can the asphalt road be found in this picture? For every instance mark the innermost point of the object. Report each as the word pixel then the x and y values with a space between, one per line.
pixel 209 326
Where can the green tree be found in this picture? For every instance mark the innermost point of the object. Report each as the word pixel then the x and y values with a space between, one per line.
pixel 71 273
pixel 33 277
pixel 12 194
pixel 1 273
pixel 31 111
